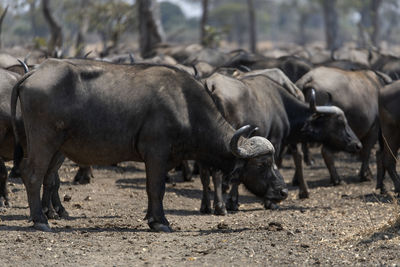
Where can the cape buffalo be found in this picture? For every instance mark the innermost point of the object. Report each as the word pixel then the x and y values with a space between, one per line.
pixel 356 93
pixel 389 115
pixel 103 113
pixel 255 99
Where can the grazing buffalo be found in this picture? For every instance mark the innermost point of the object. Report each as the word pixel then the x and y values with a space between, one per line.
pixel 356 93
pixel 102 113
pixel 389 115
pixel 256 99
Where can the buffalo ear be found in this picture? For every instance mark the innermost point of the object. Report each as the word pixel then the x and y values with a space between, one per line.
pixel 234 176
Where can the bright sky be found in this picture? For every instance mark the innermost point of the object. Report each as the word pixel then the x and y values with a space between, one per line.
pixel 192 9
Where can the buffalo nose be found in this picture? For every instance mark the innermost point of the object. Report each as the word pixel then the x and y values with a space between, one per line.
pixel 284 193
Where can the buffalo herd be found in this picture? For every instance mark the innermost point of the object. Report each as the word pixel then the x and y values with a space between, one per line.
pixel 234 113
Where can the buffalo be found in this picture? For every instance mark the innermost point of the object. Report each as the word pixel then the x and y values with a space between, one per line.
pixel 389 139
pixel 256 99
pixel 356 93
pixel 103 113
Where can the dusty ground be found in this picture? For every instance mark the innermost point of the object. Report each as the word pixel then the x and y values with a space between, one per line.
pixel 343 225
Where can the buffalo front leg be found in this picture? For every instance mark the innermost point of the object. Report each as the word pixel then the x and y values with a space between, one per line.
pixel 232 203
pixel 219 205
pixel 328 156
pixel 4 201
pixel 298 175
pixel 205 181
pixel 156 171
pixel 368 143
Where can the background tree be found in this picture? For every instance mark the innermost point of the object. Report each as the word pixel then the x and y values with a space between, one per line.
pixel 203 22
pixel 331 24
pixel 3 15
pixel 149 32
pixel 56 39
pixel 252 26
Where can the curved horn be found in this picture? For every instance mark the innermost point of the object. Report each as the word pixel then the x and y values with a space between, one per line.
pixel 250 148
pixel 313 105
pixel 329 110
pixel 26 69
pixel 87 54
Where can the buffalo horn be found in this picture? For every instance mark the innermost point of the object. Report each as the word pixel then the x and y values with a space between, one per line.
pixel 322 109
pixel 252 147
pixel 26 69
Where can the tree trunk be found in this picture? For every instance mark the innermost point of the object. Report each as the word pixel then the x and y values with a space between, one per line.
pixel 331 24
pixel 56 40
pixel 252 26
pixel 32 7
pixel 83 20
pixel 149 29
pixel 203 23
pixel 1 21
pixel 375 4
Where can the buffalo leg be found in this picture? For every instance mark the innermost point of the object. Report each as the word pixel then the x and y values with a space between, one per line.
pixel 298 175
pixel 308 159
pixel 232 203
pixel 186 171
pixel 219 205
pixel 156 171
pixel 389 162
pixel 380 172
pixel 83 175
pixel 205 181
pixel 328 156
pixel 4 201
pixel 51 184
pixel 368 143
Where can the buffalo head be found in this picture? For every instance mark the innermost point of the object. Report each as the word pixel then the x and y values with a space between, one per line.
pixel 255 166
pixel 328 125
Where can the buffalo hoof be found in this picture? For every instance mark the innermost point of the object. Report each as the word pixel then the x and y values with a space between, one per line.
pixel 220 210
pixel 303 195
pixel 366 176
pixel 336 182
pixel 52 214
pixel 63 214
pixel 232 205
pixel 309 162
pixel 14 173
pixel 81 179
pixel 44 227
pixel 269 205
pixel 205 209
pixel 159 227
pixel 4 202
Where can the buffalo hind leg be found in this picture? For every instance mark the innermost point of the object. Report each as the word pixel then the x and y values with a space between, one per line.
pixel 389 162
pixel 4 200
pixel 51 202
pixel 328 156
pixel 380 172
pixel 368 143
pixel 156 170
pixel 84 175
pixel 205 181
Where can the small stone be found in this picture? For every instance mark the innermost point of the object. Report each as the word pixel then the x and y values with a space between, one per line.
pixel 222 226
pixel 88 198
pixel 67 198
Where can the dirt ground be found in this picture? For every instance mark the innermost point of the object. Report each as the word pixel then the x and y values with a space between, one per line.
pixel 342 225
